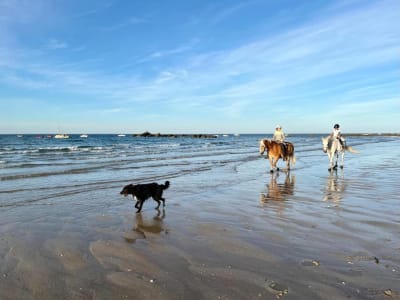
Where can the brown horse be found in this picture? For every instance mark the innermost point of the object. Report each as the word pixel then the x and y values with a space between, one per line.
pixel 276 150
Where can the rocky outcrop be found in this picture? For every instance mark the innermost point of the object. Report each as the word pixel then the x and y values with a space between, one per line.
pixel 173 135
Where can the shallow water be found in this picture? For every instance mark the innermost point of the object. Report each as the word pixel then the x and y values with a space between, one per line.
pixel 230 229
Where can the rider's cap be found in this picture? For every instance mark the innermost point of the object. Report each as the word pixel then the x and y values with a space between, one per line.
pixel 336 126
pixel 278 126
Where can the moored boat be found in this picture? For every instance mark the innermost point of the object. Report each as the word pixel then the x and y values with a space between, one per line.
pixel 61 136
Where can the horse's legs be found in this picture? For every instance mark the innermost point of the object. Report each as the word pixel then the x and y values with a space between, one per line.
pixel 275 162
pixel 336 160
pixel 342 161
pixel 271 162
pixel 330 156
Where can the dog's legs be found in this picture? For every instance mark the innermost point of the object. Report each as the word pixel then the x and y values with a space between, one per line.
pixel 137 201
pixel 140 206
pixel 158 201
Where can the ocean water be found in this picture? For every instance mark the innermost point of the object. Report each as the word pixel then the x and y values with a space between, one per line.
pixel 35 168
pixel 47 168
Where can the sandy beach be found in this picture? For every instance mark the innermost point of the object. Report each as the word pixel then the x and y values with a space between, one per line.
pixel 225 233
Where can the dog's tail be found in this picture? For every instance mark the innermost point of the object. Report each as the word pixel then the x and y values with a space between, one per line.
pixel 166 185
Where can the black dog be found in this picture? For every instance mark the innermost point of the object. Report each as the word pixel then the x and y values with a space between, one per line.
pixel 144 191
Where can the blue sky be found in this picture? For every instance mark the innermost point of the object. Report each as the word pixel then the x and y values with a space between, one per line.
pixel 199 66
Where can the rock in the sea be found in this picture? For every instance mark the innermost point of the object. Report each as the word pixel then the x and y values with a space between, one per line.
pixel 198 136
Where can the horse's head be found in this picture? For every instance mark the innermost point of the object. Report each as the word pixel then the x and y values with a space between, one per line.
pixel 263 146
pixel 325 142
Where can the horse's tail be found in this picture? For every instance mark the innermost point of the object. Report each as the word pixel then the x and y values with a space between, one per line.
pixel 351 149
pixel 290 153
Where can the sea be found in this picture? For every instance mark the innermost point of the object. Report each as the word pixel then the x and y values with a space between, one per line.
pixel 35 168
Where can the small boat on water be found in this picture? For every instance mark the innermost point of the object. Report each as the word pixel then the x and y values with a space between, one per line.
pixel 83 135
pixel 121 135
pixel 61 136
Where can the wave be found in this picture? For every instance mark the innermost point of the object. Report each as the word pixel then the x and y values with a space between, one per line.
pixel 53 192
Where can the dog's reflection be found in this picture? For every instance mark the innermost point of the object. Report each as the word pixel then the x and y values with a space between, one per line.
pixel 335 187
pixel 152 226
pixel 277 191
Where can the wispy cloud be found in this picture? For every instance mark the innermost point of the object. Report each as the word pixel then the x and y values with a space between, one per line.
pixel 20 11
pixel 159 54
pixel 93 11
pixel 228 11
pixel 129 22
pixel 111 110
pixel 55 44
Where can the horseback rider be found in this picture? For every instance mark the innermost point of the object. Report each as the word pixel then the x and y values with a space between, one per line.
pixel 279 136
pixel 337 135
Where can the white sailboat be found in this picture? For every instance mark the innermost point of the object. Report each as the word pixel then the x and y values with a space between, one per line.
pixel 61 136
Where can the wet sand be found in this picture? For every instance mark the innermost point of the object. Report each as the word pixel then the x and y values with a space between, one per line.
pixel 307 234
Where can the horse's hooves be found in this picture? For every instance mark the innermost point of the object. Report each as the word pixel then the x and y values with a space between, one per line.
pixel 277 169
pixel 329 169
pixel 271 171
pixel 341 167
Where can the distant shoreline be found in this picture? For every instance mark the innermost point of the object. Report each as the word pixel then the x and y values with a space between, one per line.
pixel 206 135
pixel 174 135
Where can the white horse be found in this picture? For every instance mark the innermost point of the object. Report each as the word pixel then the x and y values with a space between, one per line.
pixel 334 148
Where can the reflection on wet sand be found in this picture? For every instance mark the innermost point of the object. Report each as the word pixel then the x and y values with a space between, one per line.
pixel 276 191
pixel 152 226
pixel 335 187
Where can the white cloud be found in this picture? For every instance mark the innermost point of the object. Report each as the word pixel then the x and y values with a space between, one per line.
pixel 111 110
pixel 128 22
pixel 55 44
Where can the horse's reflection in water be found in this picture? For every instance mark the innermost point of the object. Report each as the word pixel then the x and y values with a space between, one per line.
pixel 150 226
pixel 277 192
pixel 335 187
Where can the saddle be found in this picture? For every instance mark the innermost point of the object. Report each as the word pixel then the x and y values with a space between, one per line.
pixel 341 143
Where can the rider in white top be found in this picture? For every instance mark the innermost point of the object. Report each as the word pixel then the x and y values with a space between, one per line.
pixel 279 135
pixel 336 134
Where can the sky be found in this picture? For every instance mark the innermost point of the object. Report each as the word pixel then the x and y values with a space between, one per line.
pixel 206 66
